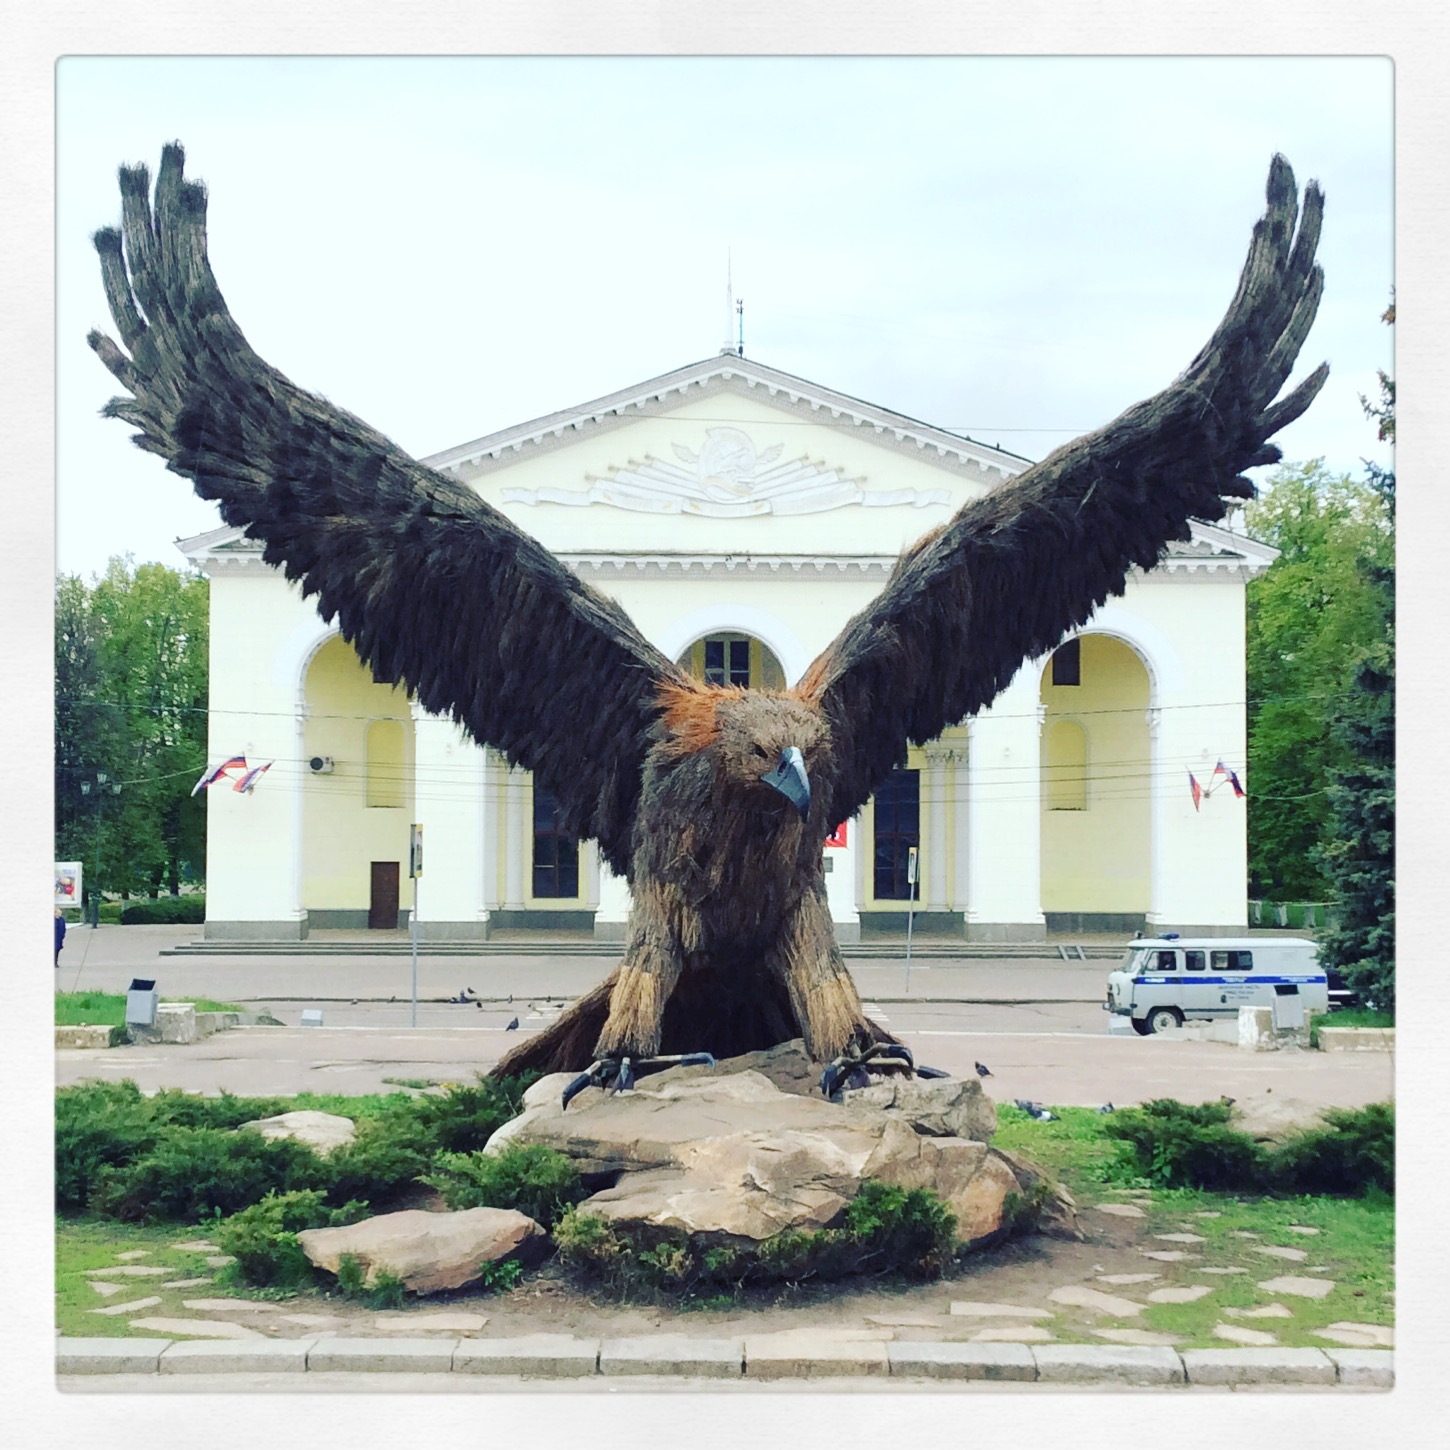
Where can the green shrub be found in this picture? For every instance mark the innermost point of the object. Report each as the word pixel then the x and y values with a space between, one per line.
pixel 193 1173
pixel 165 911
pixel 379 1165
pixel 885 1229
pixel 500 1275
pixel 1182 1145
pixel 463 1118
pixel 263 1238
pixel 529 1177
pixel 1354 1153
pixel 384 1292
pixel 97 1126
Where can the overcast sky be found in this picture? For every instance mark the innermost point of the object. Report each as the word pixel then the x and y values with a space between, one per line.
pixel 1014 249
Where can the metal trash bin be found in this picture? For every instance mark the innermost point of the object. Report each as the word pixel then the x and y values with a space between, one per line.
pixel 1288 1006
pixel 141 1001
pixel 312 1016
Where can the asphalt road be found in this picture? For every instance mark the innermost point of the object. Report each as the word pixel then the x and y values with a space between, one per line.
pixel 1037 1024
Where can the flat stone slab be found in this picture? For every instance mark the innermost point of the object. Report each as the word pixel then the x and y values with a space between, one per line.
pixel 1223 1269
pixel 1302 1288
pixel 198 1246
pixel 1358 1336
pixel 220 1261
pixel 1181 1295
pixel 83 1035
pixel 1081 1297
pixel 108 1356
pixel 314 1321
pixel 1121 1210
pixel 232 1306
pixel 108 1289
pixel 1240 1335
pixel 910 1321
pixel 1167 1256
pixel 1302 1228
pixel 131 1306
pixel 134 1254
pixel 1013 1334
pixel 1127 1278
pixel 185 1283
pixel 269 1356
pixel 974 1361
pixel 976 1309
pixel 551 1355
pixel 811 1354
pixel 204 1328
pixel 1264 1311
pixel 1126 1364
pixel 337 1351
pixel 1260 1366
pixel 664 1354
pixel 1182 1238
pixel 1278 1251
pixel 129 1271
pixel 1364 1368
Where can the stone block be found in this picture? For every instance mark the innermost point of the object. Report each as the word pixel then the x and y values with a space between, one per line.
pixel 260 1356
pixel 1260 1366
pixel 673 1354
pixel 175 1023
pixel 553 1356
pixel 336 1351
pixel 109 1356
pixel 1356 1039
pixel 976 1361
pixel 87 1036
pixel 1119 1364
pixel 803 1354
pixel 1369 1369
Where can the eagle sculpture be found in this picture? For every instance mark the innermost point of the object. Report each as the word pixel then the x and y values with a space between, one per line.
pixel 712 802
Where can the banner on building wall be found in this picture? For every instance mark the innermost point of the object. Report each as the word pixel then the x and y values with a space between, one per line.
pixel 838 836
pixel 68 883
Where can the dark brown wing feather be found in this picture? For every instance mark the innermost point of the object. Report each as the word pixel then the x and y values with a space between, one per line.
pixel 1017 569
pixel 436 590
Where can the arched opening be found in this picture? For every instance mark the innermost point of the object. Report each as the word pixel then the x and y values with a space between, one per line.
pixel 357 793
pixel 729 657
pixel 1096 787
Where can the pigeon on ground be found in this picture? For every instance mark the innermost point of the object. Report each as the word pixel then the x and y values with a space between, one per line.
pixel 1107 1108
pixel 469 992
pixel 1035 1110
pixel 513 1024
pixel 983 1070
pixel 479 1005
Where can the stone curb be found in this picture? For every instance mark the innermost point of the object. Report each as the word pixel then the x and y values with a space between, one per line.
pixel 794 1355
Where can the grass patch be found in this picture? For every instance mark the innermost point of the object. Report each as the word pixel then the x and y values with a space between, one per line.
pixel 108 1009
pixel 1074 1149
pixel 1349 1017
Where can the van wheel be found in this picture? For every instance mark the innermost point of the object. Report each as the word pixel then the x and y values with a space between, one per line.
pixel 1161 1019
pixel 1140 1026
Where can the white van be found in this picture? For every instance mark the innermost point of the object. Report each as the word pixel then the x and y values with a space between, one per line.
pixel 1164 980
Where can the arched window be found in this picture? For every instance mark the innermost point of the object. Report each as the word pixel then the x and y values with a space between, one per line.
pixel 734 659
pixel 1065 766
pixel 385 764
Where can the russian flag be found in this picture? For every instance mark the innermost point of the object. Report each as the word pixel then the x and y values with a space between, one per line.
pixel 248 782
pixel 237 762
pixel 1197 790
pixel 1222 770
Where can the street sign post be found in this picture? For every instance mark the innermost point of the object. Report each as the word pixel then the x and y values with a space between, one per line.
pixel 911 859
pixel 415 872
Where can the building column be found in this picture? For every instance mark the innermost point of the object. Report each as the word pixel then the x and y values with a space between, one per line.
pixel 841 884
pixel 612 913
pixel 448 796
pixel 516 839
pixel 1004 824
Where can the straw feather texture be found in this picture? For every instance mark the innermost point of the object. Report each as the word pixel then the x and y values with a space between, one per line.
pixel 729 945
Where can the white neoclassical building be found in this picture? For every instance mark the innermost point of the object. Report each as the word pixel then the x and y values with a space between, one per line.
pixel 741 516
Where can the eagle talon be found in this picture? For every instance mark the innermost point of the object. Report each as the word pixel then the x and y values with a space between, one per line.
pixel 619 1074
pixel 853 1068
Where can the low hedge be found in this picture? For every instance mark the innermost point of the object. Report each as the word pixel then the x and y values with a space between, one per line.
pixel 165 911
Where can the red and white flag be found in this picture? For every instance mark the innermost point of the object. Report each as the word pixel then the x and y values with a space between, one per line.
pixel 1197 790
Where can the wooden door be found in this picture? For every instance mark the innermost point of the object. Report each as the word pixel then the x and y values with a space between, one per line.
pixel 383 900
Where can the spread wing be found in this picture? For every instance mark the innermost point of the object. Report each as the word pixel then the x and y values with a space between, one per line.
pixel 436 590
pixel 1015 570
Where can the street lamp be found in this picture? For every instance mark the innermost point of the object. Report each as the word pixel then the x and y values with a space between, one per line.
pixel 104 785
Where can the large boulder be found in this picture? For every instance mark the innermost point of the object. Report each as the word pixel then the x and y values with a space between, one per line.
pixel 427 1251
pixel 731 1159
pixel 321 1131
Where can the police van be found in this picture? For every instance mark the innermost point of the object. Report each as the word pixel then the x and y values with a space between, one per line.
pixel 1165 980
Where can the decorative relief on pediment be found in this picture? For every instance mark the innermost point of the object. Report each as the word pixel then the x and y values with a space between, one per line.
pixel 729 477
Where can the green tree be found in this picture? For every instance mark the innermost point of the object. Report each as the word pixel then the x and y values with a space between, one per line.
pixel 1358 850
pixel 1313 616
pixel 131 697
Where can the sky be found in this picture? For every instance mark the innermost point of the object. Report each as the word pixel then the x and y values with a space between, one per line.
pixel 1016 249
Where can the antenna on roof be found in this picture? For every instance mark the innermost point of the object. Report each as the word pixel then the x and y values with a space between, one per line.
pixel 740 319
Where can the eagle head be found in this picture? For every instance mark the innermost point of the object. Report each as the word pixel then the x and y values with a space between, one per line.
pixel 760 744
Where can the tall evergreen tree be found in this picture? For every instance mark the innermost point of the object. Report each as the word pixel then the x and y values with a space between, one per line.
pixel 1358 850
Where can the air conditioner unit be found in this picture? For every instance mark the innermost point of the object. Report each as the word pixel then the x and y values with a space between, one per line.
pixel 320 765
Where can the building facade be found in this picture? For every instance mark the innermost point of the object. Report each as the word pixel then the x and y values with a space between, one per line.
pixel 741 516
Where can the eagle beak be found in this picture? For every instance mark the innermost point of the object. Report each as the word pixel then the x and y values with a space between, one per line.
pixel 790 779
